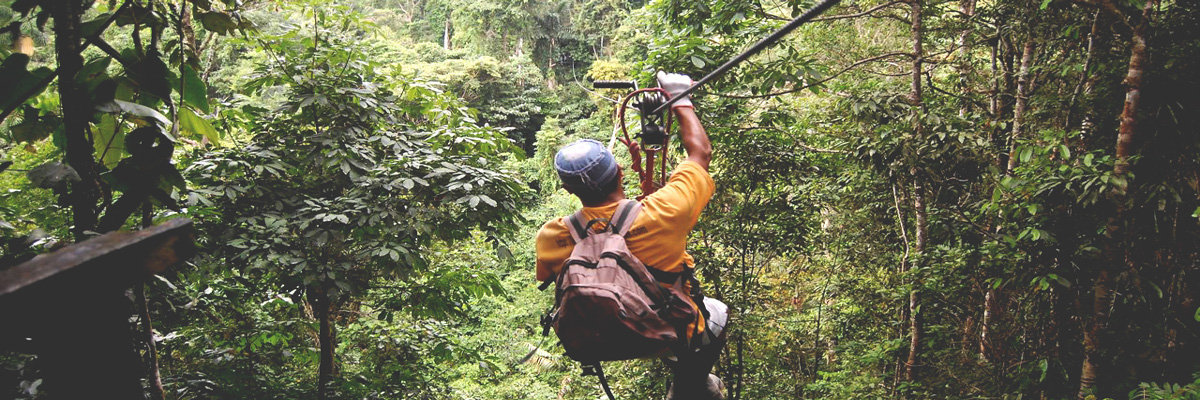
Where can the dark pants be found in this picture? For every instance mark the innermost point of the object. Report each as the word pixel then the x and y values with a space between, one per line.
pixel 690 372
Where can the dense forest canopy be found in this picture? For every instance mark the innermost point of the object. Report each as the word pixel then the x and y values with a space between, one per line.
pixel 915 198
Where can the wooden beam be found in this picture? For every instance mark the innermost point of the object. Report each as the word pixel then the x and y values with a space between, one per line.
pixel 116 257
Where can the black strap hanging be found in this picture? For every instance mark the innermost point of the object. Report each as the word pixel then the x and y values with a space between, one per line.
pixel 595 369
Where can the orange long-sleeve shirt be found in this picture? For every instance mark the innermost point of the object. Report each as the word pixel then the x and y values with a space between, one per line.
pixel 658 236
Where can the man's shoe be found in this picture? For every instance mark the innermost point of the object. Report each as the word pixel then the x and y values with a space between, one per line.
pixel 714 389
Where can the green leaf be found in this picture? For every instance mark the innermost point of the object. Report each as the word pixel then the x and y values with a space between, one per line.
pixel 1026 154
pixel 193 89
pixel 1197 315
pixel 194 124
pixel 173 178
pixel 92 28
pixel 1045 3
pixel 31 130
pixel 20 84
pixel 109 141
pixel 1066 151
pixel 1061 281
pixel 52 174
pixel 698 62
pixel 124 107
pixel 218 22
pixel 152 76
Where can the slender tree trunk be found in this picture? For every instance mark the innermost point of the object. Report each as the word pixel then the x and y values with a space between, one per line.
pixel 155 376
pixel 77 111
pixel 919 204
pixel 1096 43
pixel 989 314
pixel 991 304
pixel 322 307
pixel 916 329
pixel 965 67
pixel 994 103
pixel 1115 252
pixel 1022 103
pixel 550 83
pixel 901 332
pixel 189 34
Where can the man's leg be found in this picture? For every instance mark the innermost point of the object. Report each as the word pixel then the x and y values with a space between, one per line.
pixel 691 372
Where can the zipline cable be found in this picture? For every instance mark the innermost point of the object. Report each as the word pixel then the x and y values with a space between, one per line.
pixel 767 41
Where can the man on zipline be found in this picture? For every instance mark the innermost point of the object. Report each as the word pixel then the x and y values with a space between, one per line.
pixel 657 237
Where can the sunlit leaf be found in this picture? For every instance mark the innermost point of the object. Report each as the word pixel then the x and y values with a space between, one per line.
pixel 196 125
pixel 18 84
pixel 137 110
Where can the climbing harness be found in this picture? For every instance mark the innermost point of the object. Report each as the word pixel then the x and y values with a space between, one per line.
pixel 652 136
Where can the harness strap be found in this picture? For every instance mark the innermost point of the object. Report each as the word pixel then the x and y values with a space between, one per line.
pixel 575 226
pixel 664 276
pixel 622 219
pixel 595 369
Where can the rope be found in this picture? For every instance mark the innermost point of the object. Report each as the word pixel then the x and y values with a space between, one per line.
pixel 645 170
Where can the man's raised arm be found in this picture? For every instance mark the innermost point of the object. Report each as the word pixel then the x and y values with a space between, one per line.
pixel 691 132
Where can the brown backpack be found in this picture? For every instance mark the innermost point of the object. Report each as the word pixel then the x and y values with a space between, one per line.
pixel 608 306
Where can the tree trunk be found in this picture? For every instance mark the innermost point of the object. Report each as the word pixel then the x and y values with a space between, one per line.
pixel 1022 104
pixel 990 308
pixel 322 307
pixel 189 34
pixel 965 68
pixel 1003 105
pixel 1097 47
pixel 919 206
pixel 550 83
pixel 77 111
pixel 914 300
pixel 1114 249
pixel 446 34
pixel 155 376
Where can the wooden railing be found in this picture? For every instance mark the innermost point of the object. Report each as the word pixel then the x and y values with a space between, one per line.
pixel 69 307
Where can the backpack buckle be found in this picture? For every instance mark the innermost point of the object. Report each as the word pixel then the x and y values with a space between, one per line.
pixel 590 370
pixel 547 321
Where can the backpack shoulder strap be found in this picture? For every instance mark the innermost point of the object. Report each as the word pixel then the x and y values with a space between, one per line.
pixel 575 226
pixel 626 213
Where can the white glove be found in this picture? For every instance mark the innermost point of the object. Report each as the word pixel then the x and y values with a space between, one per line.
pixel 676 84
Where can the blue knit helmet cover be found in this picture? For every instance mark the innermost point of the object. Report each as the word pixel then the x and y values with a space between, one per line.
pixel 586 163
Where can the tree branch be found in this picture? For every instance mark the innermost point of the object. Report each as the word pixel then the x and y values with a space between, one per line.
pixel 856 64
pixel 861 14
pixel 798 144
pixel 929 80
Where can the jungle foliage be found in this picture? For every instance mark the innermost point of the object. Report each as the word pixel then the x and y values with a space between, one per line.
pixel 916 198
